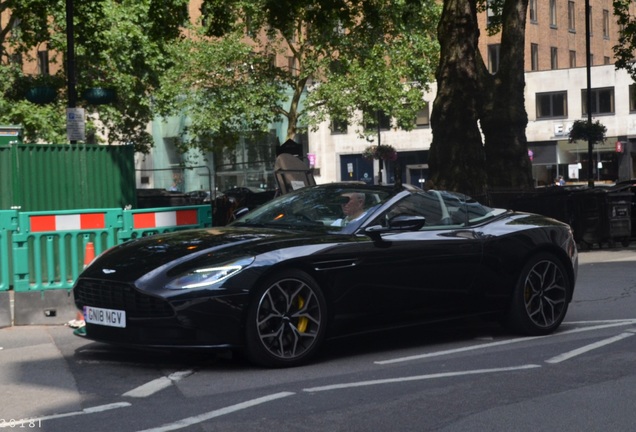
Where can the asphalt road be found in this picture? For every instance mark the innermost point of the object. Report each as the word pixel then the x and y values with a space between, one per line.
pixel 469 376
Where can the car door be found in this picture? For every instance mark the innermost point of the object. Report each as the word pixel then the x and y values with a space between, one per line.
pixel 426 273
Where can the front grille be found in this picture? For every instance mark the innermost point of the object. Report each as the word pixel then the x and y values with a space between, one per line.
pixel 113 295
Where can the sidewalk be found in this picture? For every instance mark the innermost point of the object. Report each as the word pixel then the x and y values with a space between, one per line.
pixel 597 255
pixel 35 379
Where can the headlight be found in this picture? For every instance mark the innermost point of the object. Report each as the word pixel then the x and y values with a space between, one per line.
pixel 207 276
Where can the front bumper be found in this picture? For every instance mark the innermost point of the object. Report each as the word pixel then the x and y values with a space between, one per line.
pixel 199 321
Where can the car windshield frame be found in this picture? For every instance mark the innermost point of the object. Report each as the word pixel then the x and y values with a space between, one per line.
pixel 318 208
pixel 322 208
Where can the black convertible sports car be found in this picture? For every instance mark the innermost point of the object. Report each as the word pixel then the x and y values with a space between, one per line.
pixel 326 260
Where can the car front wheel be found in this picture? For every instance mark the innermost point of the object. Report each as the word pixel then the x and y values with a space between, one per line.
pixel 286 321
pixel 540 299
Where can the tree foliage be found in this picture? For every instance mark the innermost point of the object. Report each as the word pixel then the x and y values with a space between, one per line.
pixel 626 46
pixel 118 43
pixel 26 28
pixel 344 55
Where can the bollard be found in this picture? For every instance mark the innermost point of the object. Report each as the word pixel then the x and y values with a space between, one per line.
pixel 89 254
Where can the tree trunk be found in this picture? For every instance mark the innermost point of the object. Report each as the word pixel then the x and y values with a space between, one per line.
pixel 456 158
pixel 503 115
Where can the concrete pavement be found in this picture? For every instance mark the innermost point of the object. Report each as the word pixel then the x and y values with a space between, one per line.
pixel 35 379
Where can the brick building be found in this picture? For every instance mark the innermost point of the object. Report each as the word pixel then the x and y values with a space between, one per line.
pixel 556 83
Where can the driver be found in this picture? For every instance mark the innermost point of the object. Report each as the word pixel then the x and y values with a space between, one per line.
pixel 352 207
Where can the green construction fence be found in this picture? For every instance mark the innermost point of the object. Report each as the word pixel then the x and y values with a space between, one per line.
pixel 43 252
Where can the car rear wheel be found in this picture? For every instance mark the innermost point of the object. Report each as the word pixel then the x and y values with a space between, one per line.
pixel 541 297
pixel 286 321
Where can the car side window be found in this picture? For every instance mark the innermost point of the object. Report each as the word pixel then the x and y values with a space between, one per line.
pixel 439 208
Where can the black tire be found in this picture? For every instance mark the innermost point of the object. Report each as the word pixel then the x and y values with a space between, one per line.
pixel 286 321
pixel 541 297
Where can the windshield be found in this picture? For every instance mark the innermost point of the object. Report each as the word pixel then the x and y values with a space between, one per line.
pixel 338 207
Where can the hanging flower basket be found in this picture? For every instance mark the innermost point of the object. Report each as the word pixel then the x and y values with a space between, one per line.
pixel 99 95
pixel 37 89
pixel 584 131
pixel 41 94
pixel 380 152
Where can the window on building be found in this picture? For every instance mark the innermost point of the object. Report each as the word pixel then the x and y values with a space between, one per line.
pixel 490 13
pixel 532 11
pixel 16 59
pixel 371 120
pixel 553 13
pixel 534 57
pixel 605 24
pixel 339 126
pixel 422 118
pixel 493 58
pixel 551 105
pixel 554 58
pixel 43 62
pixel 606 60
pixel 571 16
pixel 572 59
pixel 16 30
pixel 602 101
pixel 632 98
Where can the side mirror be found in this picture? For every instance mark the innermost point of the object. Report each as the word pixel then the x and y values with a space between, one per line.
pixel 397 223
pixel 407 223
pixel 241 212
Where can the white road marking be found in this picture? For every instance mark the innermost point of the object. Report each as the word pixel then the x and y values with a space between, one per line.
pixel 601 325
pixel 163 382
pixel 454 351
pixel 180 424
pixel 96 409
pixel 625 320
pixel 157 385
pixel 418 378
pixel 590 347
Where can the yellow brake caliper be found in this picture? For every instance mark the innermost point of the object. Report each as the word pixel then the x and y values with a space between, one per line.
pixel 303 322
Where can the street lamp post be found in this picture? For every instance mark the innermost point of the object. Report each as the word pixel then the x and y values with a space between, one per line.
pixel 381 162
pixel 75 123
pixel 70 56
pixel 590 143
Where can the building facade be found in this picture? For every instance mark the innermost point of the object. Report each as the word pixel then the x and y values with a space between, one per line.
pixel 555 94
pixel 555 62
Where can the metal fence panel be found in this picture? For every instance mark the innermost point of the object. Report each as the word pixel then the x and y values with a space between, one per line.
pixel 44 177
pixel 141 223
pixel 48 250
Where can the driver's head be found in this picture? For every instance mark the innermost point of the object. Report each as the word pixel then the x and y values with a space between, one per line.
pixel 354 204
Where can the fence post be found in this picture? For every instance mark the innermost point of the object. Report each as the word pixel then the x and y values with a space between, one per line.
pixel 8 224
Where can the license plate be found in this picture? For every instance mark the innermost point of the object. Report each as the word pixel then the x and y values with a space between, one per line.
pixel 105 317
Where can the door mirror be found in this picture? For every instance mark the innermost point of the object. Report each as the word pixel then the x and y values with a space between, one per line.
pixel 406 223
pixel 397 223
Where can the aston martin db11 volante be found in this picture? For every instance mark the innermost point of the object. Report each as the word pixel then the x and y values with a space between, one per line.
pixel 328 260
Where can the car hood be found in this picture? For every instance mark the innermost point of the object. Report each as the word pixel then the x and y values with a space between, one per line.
pixel 133 259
